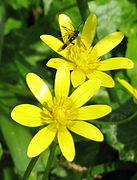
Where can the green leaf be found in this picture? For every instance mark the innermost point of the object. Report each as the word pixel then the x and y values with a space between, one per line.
pixel 12 24
pixel 17 4
pixel 123 137
pixel 17 139
pixel 131 53
pixel 112 14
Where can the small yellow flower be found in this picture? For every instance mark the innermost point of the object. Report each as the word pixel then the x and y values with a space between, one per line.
pixel 84 59
pixel 132 90
pixel 60 113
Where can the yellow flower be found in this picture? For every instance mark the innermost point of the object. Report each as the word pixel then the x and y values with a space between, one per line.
pixel 132 90
pixel 82 58
pixel 60 113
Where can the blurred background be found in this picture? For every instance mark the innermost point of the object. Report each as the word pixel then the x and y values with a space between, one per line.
pixel 22 51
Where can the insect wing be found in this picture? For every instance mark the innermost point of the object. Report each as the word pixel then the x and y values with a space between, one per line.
pixel 66 27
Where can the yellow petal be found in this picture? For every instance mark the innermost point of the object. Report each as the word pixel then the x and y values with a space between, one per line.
pixel 84 92
pixel 93 112
pixel 66 27
pixel 41 140
pixel 89 30
pixel 66 143
pixel 27 115
pixel 77 77
pixel 62 82
pixel 108 43
pixel 86 130
pixel 106 80
pixel 54 44
pixel 39 88
pixel 116 63
pixel 126 85
pixel 56 62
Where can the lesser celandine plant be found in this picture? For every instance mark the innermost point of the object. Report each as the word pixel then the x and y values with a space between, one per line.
pixel 62 112
pixel 83 59
pixel 131 89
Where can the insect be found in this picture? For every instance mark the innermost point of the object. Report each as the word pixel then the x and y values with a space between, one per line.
pixel 71 39
pixel 69 33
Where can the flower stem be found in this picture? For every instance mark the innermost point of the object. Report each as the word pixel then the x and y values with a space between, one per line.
pixel 50 160
pixel 84 9
pixel 113 95
pixel 116 122
pixel 30 167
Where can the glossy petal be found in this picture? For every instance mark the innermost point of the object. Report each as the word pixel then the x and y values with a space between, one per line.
pixel 66 143
pixel 39 88
pixel 93 112
pixel 77 77
pixel 106 80
pixel 41 140
pixel 84 92
pixel 89 30
pixel 126 85
pixel 28 115
pixel 56 62
pixel 86 130
pixel 108 43
pixel 66 27
pixel 116 63
pixel 62 82
pixel 54 44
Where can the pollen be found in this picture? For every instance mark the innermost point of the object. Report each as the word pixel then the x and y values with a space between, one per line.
pixel 63 111
pixel 83 58
pixel 59 115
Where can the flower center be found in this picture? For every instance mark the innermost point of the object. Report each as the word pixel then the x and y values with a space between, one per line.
pixel 84 59
pixel 63 111
pixel 59 115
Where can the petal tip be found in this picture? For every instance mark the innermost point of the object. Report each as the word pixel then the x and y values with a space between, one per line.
pixel 110 109
pixel 42 37
pixel 29 155
pixel 132 65
pixel 29 76
pixel 101 139
pixel 70 160
pixel 121 35
pixel 64 16
pixel 12 114
pixel 111 85
pixel 61 15
pixel 93 17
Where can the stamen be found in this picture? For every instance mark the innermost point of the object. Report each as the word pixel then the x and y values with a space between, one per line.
pixel 84 59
